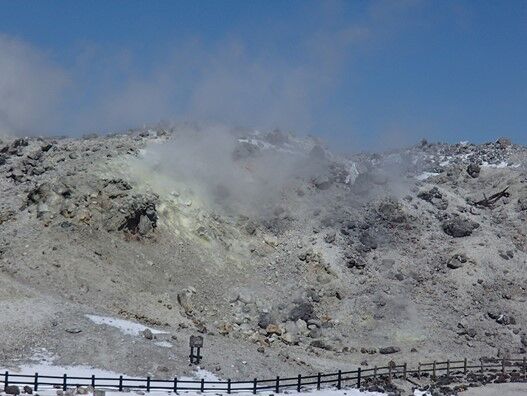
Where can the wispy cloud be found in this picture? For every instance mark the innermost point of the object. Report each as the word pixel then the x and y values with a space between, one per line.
pixel 230 80
pixel 31 87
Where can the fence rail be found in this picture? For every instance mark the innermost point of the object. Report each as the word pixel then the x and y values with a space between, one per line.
pixel 339 379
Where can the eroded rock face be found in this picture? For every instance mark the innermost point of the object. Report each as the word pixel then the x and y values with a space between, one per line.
pixel 141 218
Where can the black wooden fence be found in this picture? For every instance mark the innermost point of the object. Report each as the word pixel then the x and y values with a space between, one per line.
pixel 353 378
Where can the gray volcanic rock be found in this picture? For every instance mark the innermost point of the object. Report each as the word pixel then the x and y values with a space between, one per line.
pixel 459 227
pixel 284 256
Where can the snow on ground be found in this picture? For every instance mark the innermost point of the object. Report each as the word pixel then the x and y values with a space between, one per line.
pixel 43 363
pixel 125 326
pixel 425 175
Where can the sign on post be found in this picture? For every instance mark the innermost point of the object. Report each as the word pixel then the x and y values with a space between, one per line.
pixel 195 342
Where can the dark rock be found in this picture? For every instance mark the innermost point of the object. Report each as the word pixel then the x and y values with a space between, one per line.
pixel 503 142
pixel 502 318
pixel 330 237
pixel 12 390
pixel 457 261
pixel 28 390
pixel 369 351
pixel 322 182
pixel 430 195
pixel 303 310
pixel 434 197
pixel 264 320
pixel 368 241
pixel 505 320
pixel 315 332
pixel 391 211
pixel 389 350
pixel 322 344
pixel 473 170
pixel 459 227
pixel 147 333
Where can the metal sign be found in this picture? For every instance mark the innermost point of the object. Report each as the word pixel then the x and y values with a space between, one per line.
pixel 196 341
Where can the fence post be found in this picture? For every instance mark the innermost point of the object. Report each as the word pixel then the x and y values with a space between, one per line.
pixel 419 370
pixel 255 384
pixel 148 384
pixel 434 370
pixel 359 370
pixel 35 384
pixel 448 368
pixel 375 372
pixel 481 364
pixel 465 366
pixel 389 372
pixel 175 384
pixel 202 387
pixel 229 386
pixel 120 383
pixel 405 366
pixel 277 385
pixel 318 380
pixel 339 380
pixel 93 381
pixel 65 382
pixel 299 383
pixel 6 379
pixel 503 365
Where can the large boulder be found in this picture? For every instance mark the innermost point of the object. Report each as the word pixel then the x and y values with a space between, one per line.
pixel 459 227
pixel 302 310
pixel 12 390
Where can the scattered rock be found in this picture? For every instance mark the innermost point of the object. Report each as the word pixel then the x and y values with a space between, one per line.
pixel 389 350
pixel 457 261
pixel 330 237
pixel 147 333
pixel 12 390
pixel 459 227
pixel 303 310
pixel 473 170
pixel 368 241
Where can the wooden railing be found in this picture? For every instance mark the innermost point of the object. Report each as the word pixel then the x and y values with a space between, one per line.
pixel 339 379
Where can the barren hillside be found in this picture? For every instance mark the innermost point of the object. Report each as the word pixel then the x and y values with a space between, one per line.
pixel 286 257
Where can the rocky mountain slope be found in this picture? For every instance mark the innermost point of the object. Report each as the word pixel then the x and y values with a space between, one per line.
pixel 287 258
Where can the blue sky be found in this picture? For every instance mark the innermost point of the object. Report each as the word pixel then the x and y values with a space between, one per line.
pixel 360 74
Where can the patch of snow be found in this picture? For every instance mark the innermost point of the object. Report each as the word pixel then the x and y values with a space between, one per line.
pixel 502 164
pixel 417 392
pixel 164 344
pixel 125 326
pixel 353 173
pixel 426 175
pixel 43 364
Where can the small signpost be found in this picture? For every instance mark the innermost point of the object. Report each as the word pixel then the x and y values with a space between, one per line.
pixel 195 342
